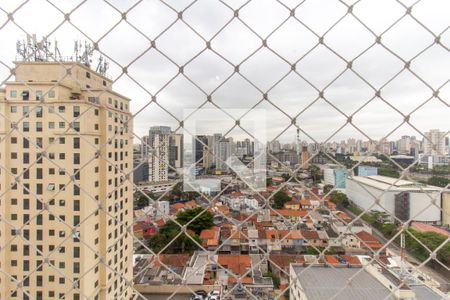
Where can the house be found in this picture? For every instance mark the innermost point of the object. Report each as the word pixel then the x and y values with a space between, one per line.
pixel 293 204
pixel 210 238
pixel 369 242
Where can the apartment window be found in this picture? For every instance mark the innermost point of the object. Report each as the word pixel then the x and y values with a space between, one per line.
pixel 76 143
pixel 51 109
pixel 51 171
pixel 76 126
pixel 39 126
pixel 88 75
pixel 39 188
pixel 61 109
pixel 62 125
pixel 51 94
pixel 13 109
pixel 26 203
pixel 26 158
pixel 76 158
pixel 39 173
pixel 62 202
pixel 51 125
pixel 39 95
pixel 76 267
pixel 13 140
pixel 26 265
pixel 13 93
pixel 96 112
pixel 62 156
pixel 51 187
pixel 76 190
pixel 26 126
pixel 76 111
pixel 25 95
pixel 96 126
pixel 110 100
pixel 25 110
pixel 62 233
pixel 76 252
pixel 38 112
pixel 62 140
pixel 76 205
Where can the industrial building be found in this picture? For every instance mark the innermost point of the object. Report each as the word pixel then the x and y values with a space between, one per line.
pixel 403 199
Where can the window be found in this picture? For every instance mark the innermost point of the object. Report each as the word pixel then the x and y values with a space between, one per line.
pixel 26 158
pixel 13 93
pixel 39 173
pixel 76 126
pixel 62 140
pixel 38 95
pixel 38 111
pixel 61 109
pixel 13 109
pixel 76 111
pixel 51 94
pixel 62 156
pixel 38 126
pixel 25 110
pixel 25 95
pixel 51 187
pixel 76 158
pixel 13 140
pixel 76 143
pixel 76 205
pixel 51 109
pixel 51 125
pixel 26 126
pixel 62 125
pixel 62 202
pixel 88 75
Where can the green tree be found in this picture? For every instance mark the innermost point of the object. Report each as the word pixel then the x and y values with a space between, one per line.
pixel 168 235
pixel 144 200
pixel 280 198
pixel 315 172
pixel 438 181
pixel 340 199
pixel 327 188
pixel 275 279
pixel 204 221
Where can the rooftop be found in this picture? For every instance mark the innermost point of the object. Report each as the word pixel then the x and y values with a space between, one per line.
pixel 333 283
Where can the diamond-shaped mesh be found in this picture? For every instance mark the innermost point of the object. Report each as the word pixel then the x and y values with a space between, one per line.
pixel 72 222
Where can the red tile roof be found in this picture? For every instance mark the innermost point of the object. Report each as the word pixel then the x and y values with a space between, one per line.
pixel 238 264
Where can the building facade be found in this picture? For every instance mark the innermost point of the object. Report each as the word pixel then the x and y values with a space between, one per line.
pixel 66 204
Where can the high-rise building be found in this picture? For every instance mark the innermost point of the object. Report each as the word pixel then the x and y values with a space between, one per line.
pixel 158 158
pixel 304 157
pixel 434 142
pixel 404 145
pixel 176 150
pixel 66 204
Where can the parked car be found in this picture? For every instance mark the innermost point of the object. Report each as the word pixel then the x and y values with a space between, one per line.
pixel 213 295
pixel 199 295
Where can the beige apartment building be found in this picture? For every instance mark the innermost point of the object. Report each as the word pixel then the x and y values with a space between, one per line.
pixel 65 150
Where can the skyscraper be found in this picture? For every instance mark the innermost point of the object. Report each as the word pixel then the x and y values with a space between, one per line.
pixel 434 142
pixel 158 141
pixel 66 204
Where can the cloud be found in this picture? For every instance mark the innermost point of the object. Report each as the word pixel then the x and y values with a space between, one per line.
pixel 209 71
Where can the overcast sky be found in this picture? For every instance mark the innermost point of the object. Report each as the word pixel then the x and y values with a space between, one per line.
pixel 292 42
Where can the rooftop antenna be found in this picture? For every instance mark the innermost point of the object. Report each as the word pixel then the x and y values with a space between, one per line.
pixel 102 65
